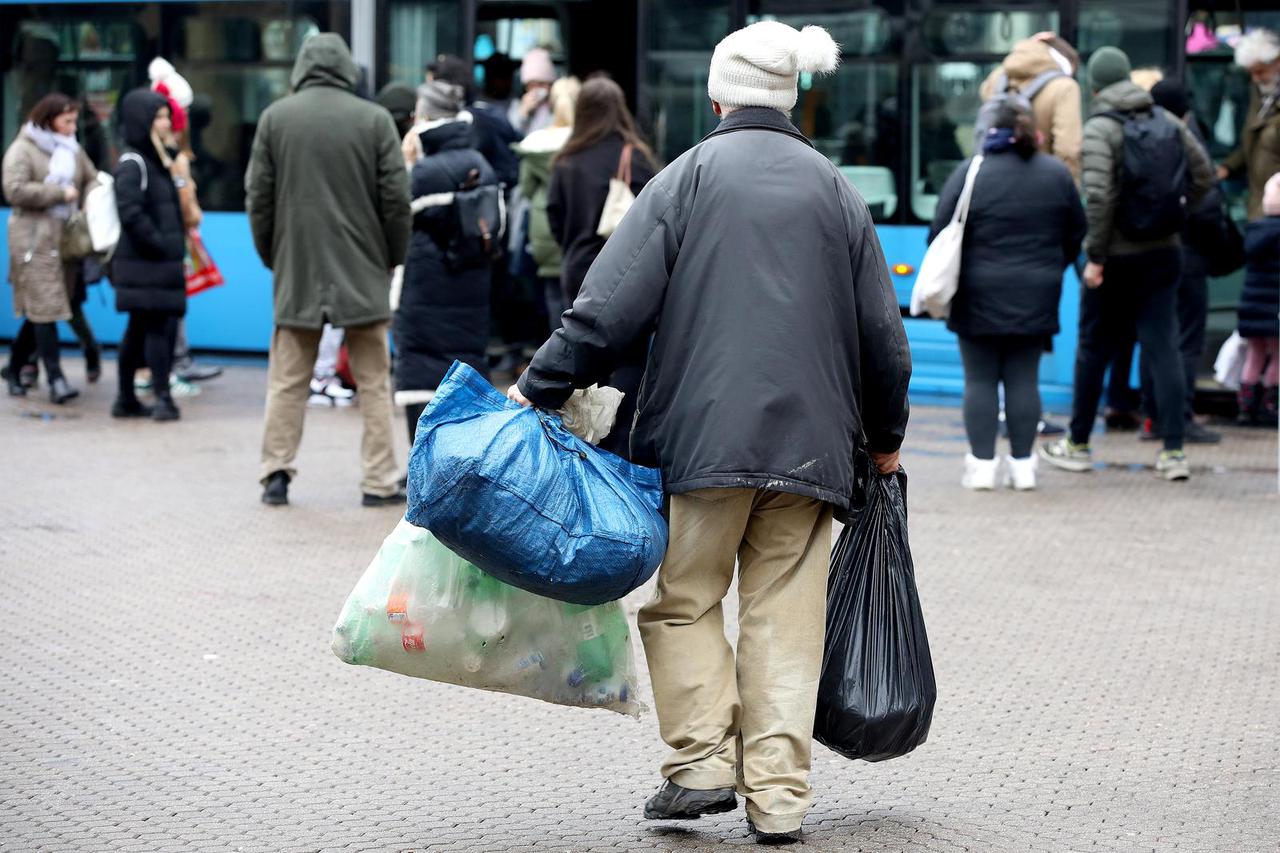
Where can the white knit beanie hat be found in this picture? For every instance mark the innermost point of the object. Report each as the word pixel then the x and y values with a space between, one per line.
pixel 757 66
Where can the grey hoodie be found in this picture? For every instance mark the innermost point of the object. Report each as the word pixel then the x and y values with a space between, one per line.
pixel 1100 160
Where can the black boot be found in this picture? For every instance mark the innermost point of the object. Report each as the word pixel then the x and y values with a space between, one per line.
pixel 165 410
pixel 60 392
pixel 276 489
pixel 673 802
pixel 774 839
pixel 396 497
pixel 1248 399
pixel 16 388
pixel 93 363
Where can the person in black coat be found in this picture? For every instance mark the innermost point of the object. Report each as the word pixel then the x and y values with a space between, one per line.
pixel 1024 227
pixel 146 269
pixel 444 305
pixel 1259 313
pixel 602 129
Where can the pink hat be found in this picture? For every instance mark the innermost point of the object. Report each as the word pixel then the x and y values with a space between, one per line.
pixel 537 67
pixel 1271 196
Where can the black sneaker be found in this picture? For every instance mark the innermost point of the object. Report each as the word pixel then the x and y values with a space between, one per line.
pixel 122 408
pixel 275 491
pixel 192 372
pixel 16 388
pixel 60 391
pixel 396 497
pixel 673 802
pixel 1050 428
pixel 774 839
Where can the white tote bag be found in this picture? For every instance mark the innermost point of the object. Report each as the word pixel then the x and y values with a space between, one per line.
pixel 100 213
pixel 620 197
pixel 1229 364
pixel 939 274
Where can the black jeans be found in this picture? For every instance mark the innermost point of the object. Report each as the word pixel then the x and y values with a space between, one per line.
pixel 1013 360
pixel 148 341
pixel 412 412
pixel 1193 316
pixel 1138 291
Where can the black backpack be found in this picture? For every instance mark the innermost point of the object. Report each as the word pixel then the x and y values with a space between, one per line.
pixel 1152 198
pixel 479 224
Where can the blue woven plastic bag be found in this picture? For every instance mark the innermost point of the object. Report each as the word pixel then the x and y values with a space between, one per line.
pixel 512 491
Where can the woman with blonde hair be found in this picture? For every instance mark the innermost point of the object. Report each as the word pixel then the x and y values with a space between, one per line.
pixel 537 152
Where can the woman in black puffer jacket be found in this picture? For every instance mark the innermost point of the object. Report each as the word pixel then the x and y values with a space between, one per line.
pixel 443 313
pixel 1025 226
pixel 146 269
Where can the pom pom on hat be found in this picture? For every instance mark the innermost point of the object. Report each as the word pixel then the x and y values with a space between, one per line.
pixel 176 86
pixel 758 66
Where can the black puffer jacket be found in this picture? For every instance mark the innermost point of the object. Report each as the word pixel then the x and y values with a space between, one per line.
pixel 1025 225
pixel 575 200
pixel 443 313
pixel 1260 299
pixel 777 340
pixel 146 269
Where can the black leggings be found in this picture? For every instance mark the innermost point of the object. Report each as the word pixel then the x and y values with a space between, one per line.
pixel 1013 360
pixel 36 340
pixel 148 340
pixel 412 412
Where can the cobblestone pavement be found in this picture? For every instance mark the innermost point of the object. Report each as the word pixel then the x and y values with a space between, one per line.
pixel 1107 657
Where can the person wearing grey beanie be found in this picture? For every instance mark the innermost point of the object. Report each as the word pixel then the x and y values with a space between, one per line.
pixel 750 272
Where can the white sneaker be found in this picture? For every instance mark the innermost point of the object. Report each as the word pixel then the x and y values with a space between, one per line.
pixel 330 393
pixel 979 474
pixel 1021 474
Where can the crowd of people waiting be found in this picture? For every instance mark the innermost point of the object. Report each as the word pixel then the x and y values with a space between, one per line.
pixel 552 156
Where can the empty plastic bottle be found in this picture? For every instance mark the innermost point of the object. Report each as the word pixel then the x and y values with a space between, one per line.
pixel 602 634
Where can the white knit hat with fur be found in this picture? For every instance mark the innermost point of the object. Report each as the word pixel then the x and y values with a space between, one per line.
pixel 757 66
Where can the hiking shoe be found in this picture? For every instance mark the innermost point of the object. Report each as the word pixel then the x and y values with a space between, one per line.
pixel 1067 455
pixel 672 802
pixel 1172 465
pixel 275 490
pixel 396 497
pixel 123 408
pixel 774 839
pixel 1196 433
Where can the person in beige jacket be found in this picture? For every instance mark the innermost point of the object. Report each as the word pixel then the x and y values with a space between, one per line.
pixel 1056 107
pixel 45 177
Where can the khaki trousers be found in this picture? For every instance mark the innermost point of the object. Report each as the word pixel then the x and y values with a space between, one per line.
pixel 747 722
pixel 289 369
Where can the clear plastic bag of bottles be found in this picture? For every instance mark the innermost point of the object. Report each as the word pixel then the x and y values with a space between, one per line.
pixel 421 610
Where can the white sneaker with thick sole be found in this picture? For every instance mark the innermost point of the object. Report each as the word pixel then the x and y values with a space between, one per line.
pixel 1021 473
pixel 979 474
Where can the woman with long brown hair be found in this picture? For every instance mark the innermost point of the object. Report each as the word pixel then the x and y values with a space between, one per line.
pixel 46 176
pixel 604 144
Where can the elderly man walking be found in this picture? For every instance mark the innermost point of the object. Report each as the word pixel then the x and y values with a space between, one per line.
pixel 328 203
pixel 777 349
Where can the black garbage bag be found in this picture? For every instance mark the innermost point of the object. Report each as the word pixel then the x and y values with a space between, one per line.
pixel 876 694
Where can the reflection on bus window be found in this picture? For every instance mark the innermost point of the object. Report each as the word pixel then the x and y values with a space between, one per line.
pixel 945 102
pixel 417 32
pixel 682 35
pixel 968 31
pixel 1141 28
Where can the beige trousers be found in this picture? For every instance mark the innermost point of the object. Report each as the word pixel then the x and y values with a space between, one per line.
pixel 747 722
pixel 293 356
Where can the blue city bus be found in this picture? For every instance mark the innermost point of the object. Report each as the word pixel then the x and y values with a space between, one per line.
pixel 896 117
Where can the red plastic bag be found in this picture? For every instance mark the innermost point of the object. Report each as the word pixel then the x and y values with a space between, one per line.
pixel 202 272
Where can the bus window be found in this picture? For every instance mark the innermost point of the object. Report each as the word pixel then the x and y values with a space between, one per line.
pixel 681 34
pixel 417 31
pixel 851 115
pixel 1143 29
pixel 944 103
pixel 975 31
